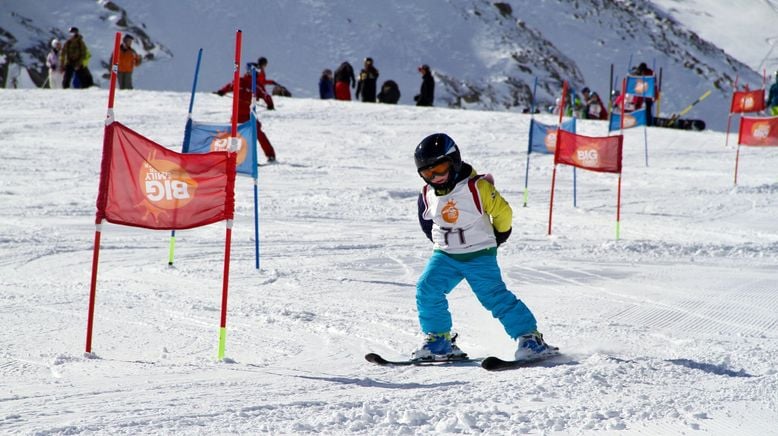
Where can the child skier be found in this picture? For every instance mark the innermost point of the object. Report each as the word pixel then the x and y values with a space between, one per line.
pixel 466 218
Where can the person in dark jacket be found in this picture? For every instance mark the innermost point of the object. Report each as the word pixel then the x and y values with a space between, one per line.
pixel 344 77
pixel 390 92
pixel 326 86
pixel 427 95
pixel 366 85
pixel 72 57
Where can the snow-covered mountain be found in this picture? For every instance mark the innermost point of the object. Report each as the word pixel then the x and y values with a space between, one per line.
pixel 484 54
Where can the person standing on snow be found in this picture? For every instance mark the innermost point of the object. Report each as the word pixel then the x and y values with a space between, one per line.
pixel 262 81
pixel 56 74
pixel 772 97
pixel 72 56
pixel 326 86
pixel 344 77
pixel 244 109
pixel 466 219
pixel 426 97
pixel 366 85
pixel 128 60
pixel 593 108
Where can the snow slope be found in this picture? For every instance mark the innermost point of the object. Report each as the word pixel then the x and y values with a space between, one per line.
pixel 670 330
pixel 484 54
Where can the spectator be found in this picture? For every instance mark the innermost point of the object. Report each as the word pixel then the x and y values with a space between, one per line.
pixel 366 86
pixel 344 76
pixel 128 60
pixel 643 70
pixel 56 74
pixel 326 85
pixel 390 92
pixel 426 97
pixel 244 109
pixel 772 97
pixel 593 109
pixel 262 80
pixel 72 58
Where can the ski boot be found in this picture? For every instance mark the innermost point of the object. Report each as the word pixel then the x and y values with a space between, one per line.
pixel 439 346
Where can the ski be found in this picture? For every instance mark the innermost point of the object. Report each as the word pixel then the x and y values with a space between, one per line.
pixel 493 363
pixel 378 360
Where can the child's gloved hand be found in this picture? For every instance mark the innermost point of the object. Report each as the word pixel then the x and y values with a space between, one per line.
pixel 502 236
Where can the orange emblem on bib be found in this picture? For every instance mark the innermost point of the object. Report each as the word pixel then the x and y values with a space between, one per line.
pixel 450 212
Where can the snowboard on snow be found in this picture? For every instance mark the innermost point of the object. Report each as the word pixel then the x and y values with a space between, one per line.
pixel 679 123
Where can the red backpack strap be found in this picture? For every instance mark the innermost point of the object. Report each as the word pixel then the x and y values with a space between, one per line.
pixel 474 192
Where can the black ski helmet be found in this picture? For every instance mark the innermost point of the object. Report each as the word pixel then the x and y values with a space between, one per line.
pixel 437 148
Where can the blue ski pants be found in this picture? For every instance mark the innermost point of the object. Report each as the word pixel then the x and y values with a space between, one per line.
pixel 482 273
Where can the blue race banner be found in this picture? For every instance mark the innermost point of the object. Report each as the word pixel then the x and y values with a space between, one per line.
pixel 542 137
pixel 641 86
pixel 205 138
pixel 631 119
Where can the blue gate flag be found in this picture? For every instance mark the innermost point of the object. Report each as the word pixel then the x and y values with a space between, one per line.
pixel 542 137
pixel 204 138
pixel 641 86
pixel 631 119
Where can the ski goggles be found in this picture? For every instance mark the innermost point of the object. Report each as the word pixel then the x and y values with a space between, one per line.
pixel 439 169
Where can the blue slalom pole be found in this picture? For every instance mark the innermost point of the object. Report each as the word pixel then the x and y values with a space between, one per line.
pixel 255 170
pixel 185 148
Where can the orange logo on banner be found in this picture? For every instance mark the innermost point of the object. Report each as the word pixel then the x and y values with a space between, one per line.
pixel 747 102
pixel 165 185
pixel 761 130
pixel 550 140
pixel 641 87
pixel 629 121
pixel 450 212
pixel 221 142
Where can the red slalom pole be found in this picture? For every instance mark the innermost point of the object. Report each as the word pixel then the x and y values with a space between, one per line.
pixel 551 202
pixel 228 234
pixel 618 211
pixel 556 155
pixel 109 118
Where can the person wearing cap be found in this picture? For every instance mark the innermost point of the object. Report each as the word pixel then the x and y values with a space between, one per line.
pixel 56 74
pixel 72 56
pixel 772 97
pixel 426 96
pixel 128 60
pixel 367 83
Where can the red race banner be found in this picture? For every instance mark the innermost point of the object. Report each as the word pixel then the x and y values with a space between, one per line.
pixel 761 131
pixel 602 154
pixel 747 101
pixel 143 184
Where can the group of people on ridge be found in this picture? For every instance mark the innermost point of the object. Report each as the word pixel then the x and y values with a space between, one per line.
pixel 338 85
pixel 68 63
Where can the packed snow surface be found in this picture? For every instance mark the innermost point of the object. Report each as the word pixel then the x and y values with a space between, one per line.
pixel 669 330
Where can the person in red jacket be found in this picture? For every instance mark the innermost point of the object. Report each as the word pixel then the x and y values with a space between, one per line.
pixel 244 109
pixel 262 80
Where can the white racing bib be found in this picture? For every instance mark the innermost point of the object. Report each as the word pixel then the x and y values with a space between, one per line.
pixel 459 224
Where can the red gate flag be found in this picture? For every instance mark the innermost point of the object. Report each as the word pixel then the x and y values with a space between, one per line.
pixel 602 154
pixel 747 101
pixel 143 184
pixel 758 131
